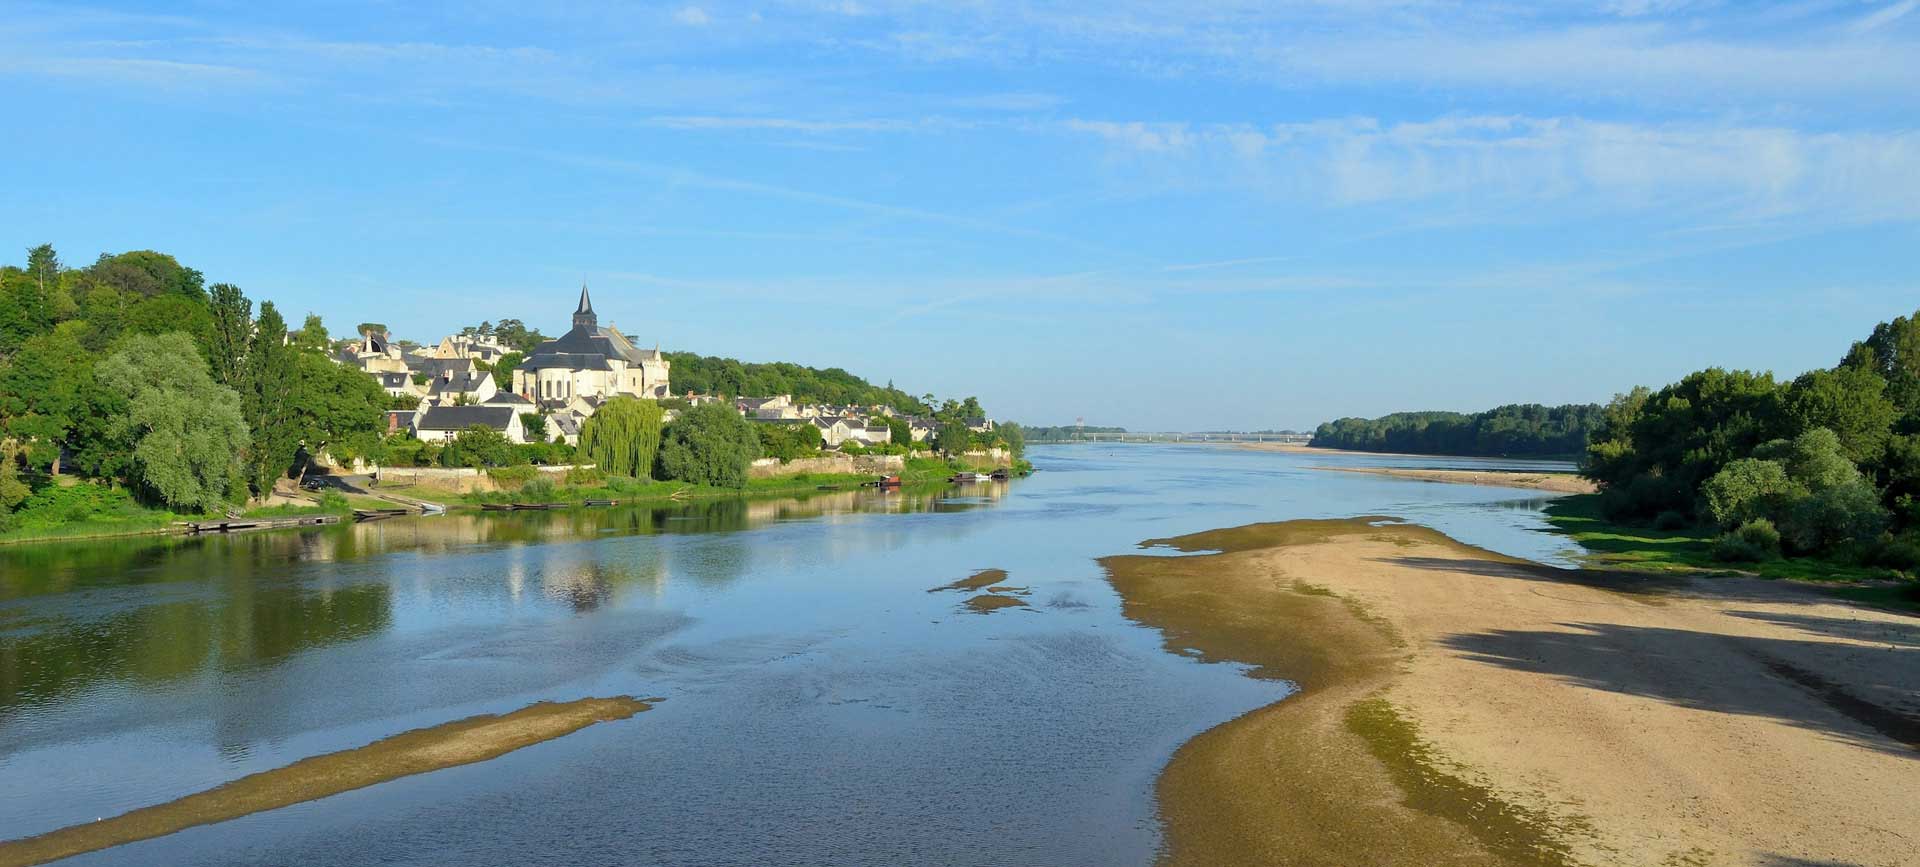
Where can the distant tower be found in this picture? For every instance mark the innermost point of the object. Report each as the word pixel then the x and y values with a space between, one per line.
pixel 583 315
pixel 1080 427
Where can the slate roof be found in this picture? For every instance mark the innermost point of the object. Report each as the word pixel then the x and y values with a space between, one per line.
pixel 508 398
pixel 434 367
pixel 461 417
pixel 393 379
pixel 461 382
pixel 587 346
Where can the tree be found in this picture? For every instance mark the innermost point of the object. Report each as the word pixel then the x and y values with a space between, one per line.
pixel 955 438
pixel 622 437
pixel 1682 435
pixel 366 328
pixel 1851 402
pixel 1748 488
pixel 788 441
pixel 147 273
pixel 269 402
pixel 503 368
pixel 479 446
pixel 43 265
pixel 232 329
pixel 898 430
pixel 13 491
pixel 1014 436
pixel 186 428
pixel 332 404
pixel 535 425
pixel 44 393
pixel 711 444
pixel 1893 352
pixel 312 336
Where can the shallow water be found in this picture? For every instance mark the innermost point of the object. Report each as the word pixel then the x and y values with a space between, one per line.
pixel 820 706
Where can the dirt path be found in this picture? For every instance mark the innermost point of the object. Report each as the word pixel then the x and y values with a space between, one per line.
pixel 1459 707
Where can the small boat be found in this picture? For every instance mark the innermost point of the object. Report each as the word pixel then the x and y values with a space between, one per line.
pixel 1002 474
pixel 882 482
pixel 970 478
pixel 600 503
pixel 432 509
pixel 377 514
pixel 496 507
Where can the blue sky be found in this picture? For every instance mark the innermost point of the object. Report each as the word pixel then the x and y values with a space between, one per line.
pixel 1161 215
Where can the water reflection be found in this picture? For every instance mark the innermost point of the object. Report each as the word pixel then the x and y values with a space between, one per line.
pixel 233 604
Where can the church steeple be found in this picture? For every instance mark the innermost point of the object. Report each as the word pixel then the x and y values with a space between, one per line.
pixel 583 316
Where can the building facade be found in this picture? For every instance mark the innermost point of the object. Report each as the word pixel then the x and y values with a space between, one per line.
pixel 591 361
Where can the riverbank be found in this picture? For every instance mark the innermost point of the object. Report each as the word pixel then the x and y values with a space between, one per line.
pixel 1563 483
pixel 1461 707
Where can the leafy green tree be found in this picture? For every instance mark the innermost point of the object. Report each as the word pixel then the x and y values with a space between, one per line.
pixel 232 329
pixel 44 393
pixel 186 428
pixel 147 273
pixel 167 314
pixel 1747 489
pixel 535 425
pixel 1815 460
pixel 312 336
pixel 1893 352
pixel 1013 436
pixel 955 438
pixel 711 444
pixel 1851 402
pixel 366 328
pixel 13 491
pixel 479 446
pixel 898 430
pixel 268 403
pixel 622 437
pixel 332 404
pixel 1826 520
pixel 503 369
pixel 1683 434
pixel 788 441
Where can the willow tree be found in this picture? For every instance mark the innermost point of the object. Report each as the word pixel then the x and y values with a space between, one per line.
pixel 623 436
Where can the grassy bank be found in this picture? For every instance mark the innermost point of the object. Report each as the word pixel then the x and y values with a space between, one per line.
pixel 592 486
pixel 1689 551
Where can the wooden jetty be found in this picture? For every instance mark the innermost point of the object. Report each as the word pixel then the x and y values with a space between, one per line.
pixel 379 514
pixel 241 525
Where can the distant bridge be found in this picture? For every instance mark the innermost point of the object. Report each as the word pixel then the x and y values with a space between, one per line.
pixel 1177 437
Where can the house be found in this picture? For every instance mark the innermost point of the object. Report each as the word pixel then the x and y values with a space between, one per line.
pixel 399 421
pixel 591 361
pixel 979 425
pixel 397 383
pixel 922 428
pixel 777 407
pixel 374 352
pixel 479 347
pixel 565 426
pixel 450 389
pixel 443 424
pixel 434 368
pixel 835 430
pixel 873 433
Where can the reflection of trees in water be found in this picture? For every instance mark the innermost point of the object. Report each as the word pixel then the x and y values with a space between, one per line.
pixel 251 622
pixel 230 605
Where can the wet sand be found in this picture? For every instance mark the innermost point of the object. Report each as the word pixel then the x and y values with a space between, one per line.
pixel 1565 483
pixel 1460 707
pixel 474 739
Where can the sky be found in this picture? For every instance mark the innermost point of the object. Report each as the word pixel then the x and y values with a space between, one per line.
pixel 1160 215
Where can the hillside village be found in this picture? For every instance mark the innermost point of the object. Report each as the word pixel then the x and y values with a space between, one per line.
pixel 471 380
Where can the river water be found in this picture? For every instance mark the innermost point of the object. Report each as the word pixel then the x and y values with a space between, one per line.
pixel 820 705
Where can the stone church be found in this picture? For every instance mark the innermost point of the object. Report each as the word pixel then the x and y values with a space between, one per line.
pixel 590 362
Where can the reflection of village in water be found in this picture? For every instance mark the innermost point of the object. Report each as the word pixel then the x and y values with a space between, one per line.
pixel 262 613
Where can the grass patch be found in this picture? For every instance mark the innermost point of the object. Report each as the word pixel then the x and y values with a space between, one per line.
pixel 1689 550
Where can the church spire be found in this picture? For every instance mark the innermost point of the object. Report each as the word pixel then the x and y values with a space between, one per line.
pixel 583 316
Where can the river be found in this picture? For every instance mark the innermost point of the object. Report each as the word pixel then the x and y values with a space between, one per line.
pixel 818 704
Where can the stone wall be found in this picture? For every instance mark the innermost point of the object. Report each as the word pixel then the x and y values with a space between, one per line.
pixel 459 480
pixel 872 465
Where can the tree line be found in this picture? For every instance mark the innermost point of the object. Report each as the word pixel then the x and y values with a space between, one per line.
pixel 728 377
pixel 1825 464
pixel 1516 430
pixel 131 372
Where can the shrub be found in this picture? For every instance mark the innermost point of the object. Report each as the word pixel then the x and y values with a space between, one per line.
pixel 480 446
pixel 334 501
pixel 1762 534
pixel 1899 553
pixel 585 476
pixel 1670 520
pixel 1731 548
pixel 513 477
pixel 540 489
pixel 1747 489
pixel 1834 517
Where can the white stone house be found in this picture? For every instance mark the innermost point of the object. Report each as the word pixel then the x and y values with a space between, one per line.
pixel 591 361
pixel 443 424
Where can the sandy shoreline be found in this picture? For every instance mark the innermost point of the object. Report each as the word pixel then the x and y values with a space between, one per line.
pixel 461 742
pixel 1563 483
pixel 1461 707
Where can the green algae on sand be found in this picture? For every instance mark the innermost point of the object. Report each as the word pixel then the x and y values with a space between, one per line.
pixel 461 742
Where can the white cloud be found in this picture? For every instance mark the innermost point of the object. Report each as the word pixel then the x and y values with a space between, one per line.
pixel 693 16
pixel 1750 172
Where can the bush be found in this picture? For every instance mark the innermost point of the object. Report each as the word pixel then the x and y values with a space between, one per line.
pixel 1762 535
pixel 1847 514
pixel 538 490
pixel 585 477
pixel 513 477
pixel 334 501
pixel 1670 520
pixel 1730 548
pixel 1747 489
pixel 1899 553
